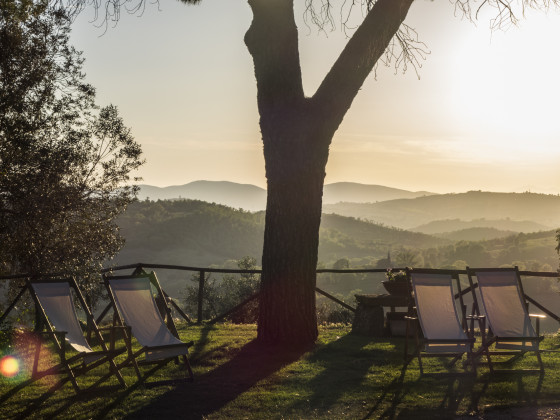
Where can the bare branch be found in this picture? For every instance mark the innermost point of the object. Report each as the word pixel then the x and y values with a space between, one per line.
pixel 319 16
pixel 112 8
pixel 508 12
pixel 404 50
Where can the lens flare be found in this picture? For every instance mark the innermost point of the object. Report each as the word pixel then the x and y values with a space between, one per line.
pixel 9 366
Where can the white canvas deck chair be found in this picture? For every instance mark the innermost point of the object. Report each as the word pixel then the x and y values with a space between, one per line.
pixel 444 333
pixel 510 331
pixel 54 301
pixel 136 308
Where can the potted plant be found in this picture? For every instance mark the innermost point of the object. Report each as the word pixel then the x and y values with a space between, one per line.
pixel 396 283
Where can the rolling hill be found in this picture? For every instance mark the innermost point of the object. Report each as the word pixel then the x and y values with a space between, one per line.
pixel 475 234
pixel 452 225
pixel 245 196
pixel 365 193
pixel 410 213
pixel 253 198
pixel 196 233
pixel 201 234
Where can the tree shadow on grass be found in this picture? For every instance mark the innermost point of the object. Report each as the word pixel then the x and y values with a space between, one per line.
pixel 61 406
pixel 455 390
pixel 466 392
pixel 42 401
pixel 213 390
pixel 348 365
pixel 343 365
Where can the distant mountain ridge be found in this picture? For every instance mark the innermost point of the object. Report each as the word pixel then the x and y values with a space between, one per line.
pixel 420 211
pixel 253 198
pixel 245 196
pixel 451 225
pixel 365 193
pixel 410 213
pixel 476 234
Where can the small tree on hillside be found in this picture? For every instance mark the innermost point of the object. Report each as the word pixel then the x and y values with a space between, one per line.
pixel 406 257
pixel 64 163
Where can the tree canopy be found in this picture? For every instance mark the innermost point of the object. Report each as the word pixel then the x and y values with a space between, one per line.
pixel 64 162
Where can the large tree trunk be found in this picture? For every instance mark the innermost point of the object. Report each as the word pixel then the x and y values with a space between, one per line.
pixel 295 187
pixel 297 132
pixel 295 170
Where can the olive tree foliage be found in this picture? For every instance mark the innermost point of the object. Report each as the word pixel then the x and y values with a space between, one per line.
pixel 64 162
pixel 297 130
pixel 223 295
pixel 406 257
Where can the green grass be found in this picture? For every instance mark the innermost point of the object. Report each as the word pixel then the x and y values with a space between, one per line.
pixel 343 376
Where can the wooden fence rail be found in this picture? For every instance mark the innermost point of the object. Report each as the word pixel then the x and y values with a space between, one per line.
pixel 202 271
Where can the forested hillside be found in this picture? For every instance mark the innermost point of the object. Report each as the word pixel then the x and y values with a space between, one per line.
pixel 188 232
pixel 197 233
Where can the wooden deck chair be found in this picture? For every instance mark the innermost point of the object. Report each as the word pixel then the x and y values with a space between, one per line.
pixel 444 333
pixel 55 304
pixel 510 331
pixel 136 308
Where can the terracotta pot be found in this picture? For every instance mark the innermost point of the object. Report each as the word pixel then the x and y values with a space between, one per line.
pixel 399 288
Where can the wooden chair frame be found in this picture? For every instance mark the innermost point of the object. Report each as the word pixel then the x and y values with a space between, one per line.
pixel 67 364
pixel 131 360
pixel 488 336
pixel 413 325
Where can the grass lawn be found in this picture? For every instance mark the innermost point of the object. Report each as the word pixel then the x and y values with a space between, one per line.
pixel 344 376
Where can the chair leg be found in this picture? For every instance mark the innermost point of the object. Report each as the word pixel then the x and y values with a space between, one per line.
pixel 490 365
pixel 419 351
pixel 35 370
pixel 115 370
pixel 420 363
pixel 486 345
pixel 472 359
pixel 541 366
pixel 127 336
pixel 188 368
pixel 454 360
pixel 72 378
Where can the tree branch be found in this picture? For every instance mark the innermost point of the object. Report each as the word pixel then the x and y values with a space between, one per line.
pixel 272 40
pixel 355 63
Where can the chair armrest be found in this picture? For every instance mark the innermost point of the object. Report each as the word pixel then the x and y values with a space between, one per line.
pixel 538 316
pixel 481 320
pixel 125 332
pixel 125 329
pixel 55 333
pixel 113 327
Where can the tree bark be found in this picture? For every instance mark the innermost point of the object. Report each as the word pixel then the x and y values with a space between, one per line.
pixel 296 133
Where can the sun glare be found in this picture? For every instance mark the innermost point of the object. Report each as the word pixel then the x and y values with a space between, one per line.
pixel 504 88
pixel 9 366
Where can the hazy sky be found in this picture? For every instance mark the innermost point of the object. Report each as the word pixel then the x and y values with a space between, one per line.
pixel 483 115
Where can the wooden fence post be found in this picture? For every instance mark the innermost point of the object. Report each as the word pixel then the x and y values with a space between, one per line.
pixel 200 294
